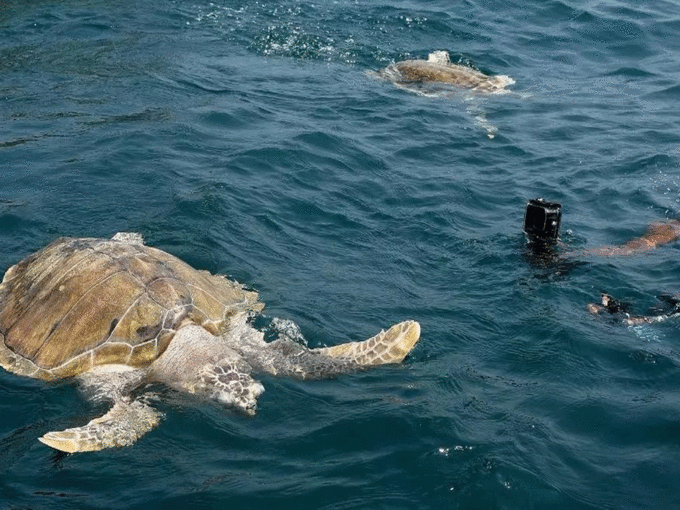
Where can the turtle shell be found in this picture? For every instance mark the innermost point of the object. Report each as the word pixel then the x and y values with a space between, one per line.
pixel 425 70
pixel 79 303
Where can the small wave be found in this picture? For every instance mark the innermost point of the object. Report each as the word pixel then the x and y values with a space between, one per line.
pixel 630 72
pixel 667 93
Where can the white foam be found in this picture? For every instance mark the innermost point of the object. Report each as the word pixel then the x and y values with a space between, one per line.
pixel 128 237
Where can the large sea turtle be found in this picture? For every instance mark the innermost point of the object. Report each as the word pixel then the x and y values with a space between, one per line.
pixel 117 314
pixel 438 70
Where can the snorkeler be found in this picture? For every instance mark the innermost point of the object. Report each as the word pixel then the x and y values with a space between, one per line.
pixel 541 225
pixel 619 311
pixel 657 234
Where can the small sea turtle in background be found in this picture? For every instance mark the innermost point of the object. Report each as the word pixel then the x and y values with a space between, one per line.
pixel 438 69
pixel 117 314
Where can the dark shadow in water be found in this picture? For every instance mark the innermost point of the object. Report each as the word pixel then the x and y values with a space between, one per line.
pixel 549 261
pixel 57 458
pixel 14 445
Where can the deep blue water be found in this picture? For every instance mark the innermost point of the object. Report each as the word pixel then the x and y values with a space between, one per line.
pixel 249 139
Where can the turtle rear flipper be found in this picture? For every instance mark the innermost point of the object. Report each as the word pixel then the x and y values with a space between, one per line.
pixel 285 357
pixel 123 425
pixel 389 346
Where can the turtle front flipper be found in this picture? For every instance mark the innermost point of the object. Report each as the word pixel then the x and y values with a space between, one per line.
pixel 231 384
pixel 123 425
pixel 285 357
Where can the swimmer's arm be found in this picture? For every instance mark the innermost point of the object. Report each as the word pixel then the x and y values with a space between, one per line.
pixel 657 234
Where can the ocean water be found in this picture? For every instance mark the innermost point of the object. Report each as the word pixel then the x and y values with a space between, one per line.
pixel 251 139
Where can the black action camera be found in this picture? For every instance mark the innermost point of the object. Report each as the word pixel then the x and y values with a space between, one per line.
pixel 542 221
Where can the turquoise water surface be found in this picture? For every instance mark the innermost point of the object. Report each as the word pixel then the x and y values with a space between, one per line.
pixel 251 139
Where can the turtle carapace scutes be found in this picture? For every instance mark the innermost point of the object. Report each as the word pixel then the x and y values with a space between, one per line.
pixel 117 314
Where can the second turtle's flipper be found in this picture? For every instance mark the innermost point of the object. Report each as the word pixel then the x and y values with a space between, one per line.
pixel 123 425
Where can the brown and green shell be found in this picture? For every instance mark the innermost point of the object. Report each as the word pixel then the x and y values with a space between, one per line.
pixel 79 303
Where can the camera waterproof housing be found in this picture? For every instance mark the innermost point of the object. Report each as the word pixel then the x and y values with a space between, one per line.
pixel 542 221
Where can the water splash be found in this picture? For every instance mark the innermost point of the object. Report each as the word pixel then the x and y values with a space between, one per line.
pixel 286 329
pixel 666 187
pixel 291 40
